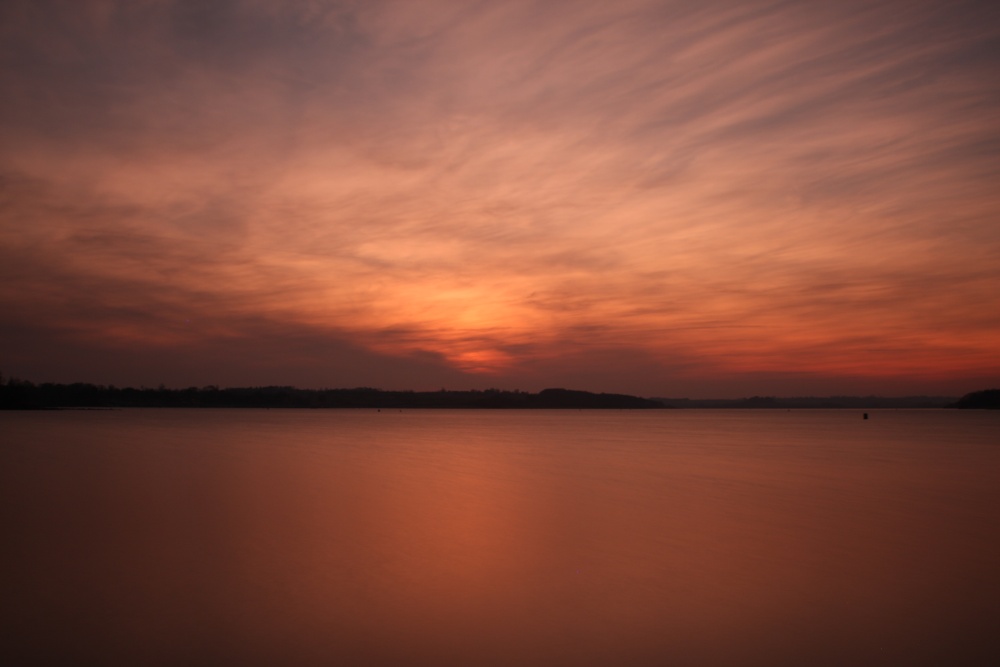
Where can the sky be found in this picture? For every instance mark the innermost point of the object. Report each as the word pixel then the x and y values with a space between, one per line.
pixel 704 199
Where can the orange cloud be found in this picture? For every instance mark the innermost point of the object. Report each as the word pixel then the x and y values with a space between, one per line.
pixel 746 188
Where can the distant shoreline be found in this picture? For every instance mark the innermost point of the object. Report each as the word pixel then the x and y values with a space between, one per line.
pixel 22 395
pixel 25 395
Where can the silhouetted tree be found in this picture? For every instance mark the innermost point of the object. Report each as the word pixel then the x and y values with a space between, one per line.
pixel 987 399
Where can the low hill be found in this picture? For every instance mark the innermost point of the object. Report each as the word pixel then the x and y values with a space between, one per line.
pixel 22 395
pixel 987 399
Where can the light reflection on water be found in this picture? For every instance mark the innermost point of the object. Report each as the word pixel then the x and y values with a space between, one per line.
pixel 492 537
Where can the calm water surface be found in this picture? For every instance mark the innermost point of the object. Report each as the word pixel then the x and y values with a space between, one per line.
pixel 499 538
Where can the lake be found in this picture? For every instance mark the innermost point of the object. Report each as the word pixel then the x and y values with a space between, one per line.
pixel 423 537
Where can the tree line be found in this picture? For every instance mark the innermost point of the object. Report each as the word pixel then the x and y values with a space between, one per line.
pixel 20 394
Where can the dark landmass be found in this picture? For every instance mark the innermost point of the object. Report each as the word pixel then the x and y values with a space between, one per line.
pixel 987 399
pixel 851 402
pixel 18 394
pixel 21 395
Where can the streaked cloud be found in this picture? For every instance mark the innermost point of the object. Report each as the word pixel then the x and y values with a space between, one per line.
pixel 510 193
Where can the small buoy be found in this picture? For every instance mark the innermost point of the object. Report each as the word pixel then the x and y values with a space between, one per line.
pixel 866 415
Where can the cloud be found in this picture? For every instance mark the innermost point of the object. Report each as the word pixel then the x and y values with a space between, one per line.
pixel 741 187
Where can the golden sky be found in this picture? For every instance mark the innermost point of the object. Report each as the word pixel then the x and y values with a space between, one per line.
pixel 659 198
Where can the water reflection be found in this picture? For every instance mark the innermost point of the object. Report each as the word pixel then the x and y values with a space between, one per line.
pixel 688 538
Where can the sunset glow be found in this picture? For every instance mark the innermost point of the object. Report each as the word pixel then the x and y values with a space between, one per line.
pixel 658 198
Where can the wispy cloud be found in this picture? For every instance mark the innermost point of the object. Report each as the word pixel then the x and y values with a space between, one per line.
pixel 741 187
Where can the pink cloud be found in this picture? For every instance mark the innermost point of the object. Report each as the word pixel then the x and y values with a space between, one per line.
pixel 745 188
